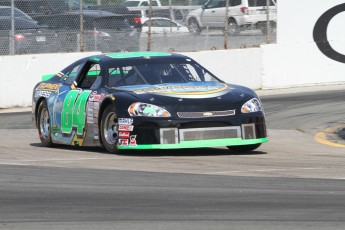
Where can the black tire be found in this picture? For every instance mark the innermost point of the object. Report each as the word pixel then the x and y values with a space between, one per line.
pixel 263 28
pixel 43 124
pixel 194 27
pixel 108 129
pixel 233 28
pixel 243 148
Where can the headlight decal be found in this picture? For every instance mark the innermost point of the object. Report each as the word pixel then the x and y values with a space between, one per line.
pixel 147 110
pixel 251 106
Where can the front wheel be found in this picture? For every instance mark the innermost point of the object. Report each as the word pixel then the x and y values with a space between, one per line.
pixel 194 27
pixel 43 124
pixel 109 133
pixel 243 148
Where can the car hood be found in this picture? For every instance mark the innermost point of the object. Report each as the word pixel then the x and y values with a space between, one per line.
pixel 212 94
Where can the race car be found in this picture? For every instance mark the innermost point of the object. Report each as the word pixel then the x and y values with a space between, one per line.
pixel 145 100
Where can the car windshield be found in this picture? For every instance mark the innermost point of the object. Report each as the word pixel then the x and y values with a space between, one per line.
pixel 158 72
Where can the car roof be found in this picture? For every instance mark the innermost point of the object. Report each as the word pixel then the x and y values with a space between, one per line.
pixel 20 23
pixel 15 9
pixel 134 56
pixel 91 13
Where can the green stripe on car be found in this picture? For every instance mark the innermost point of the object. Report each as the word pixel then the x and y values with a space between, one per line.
pixel 200 144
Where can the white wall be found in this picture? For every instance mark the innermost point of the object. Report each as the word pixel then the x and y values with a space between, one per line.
pixel 238 66
pixel 296 60
pixel 19 74
pixel 296 20
pixel 298 64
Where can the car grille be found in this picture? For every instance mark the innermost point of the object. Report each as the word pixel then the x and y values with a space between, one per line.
pixel 175 135
pixel 205 114
pixel 210 133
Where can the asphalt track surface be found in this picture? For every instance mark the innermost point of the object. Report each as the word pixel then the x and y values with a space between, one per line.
pixel 292 182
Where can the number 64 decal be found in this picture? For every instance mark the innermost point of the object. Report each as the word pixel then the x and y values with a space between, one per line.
pixel 73 111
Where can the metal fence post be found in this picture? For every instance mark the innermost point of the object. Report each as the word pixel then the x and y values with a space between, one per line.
pixel 78 42
pixel 12 33
pixel 268 26
pixel 81 41
pixel 226 24
pixel 149 29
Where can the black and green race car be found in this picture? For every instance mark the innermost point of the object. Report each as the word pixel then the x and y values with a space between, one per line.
pixel 145 100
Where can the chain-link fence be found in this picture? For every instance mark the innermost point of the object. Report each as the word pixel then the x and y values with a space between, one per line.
pixel 48 26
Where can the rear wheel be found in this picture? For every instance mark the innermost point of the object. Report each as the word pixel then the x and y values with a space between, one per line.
pixel 233 28
pixel 109 133
pixel 43 124
pixel 263 28
pixel 243 148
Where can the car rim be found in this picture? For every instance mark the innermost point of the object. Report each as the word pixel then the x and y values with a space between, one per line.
pixel 110 131
pixel 44 123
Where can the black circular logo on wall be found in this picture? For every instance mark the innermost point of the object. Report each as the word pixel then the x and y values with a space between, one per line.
pixel 320 33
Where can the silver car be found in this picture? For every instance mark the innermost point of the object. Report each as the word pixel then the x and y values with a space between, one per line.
pixel 242 14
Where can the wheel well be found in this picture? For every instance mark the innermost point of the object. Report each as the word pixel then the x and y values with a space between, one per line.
pixel 104 105
pixel 38 103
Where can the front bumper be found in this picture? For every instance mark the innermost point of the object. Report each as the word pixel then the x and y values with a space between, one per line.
pixel 174 134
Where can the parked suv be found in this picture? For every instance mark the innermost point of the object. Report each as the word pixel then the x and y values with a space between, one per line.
pixel 103 31
pixel 242 14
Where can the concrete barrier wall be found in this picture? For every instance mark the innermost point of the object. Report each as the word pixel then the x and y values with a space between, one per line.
pixel 269 67
pixel 242 66
pixel 310 47
pixel 19 74
pixel 282 68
